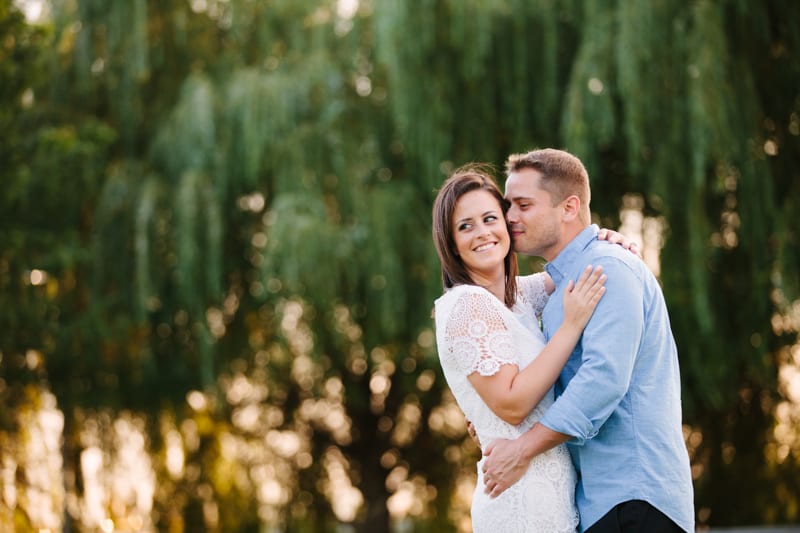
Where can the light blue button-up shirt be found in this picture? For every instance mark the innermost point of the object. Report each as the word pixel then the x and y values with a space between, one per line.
pixel 619 395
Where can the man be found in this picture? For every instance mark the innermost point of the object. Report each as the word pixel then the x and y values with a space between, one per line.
pixel 618 405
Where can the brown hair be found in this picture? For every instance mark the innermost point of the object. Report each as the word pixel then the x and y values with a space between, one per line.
pixel 563 175
pixel 466 179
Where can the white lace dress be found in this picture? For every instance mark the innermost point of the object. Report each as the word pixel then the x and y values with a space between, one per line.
pixel 476 332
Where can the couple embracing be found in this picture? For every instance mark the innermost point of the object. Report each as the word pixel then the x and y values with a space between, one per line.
pixel 568 377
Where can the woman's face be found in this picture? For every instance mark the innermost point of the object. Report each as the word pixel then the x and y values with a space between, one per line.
pixel 481 235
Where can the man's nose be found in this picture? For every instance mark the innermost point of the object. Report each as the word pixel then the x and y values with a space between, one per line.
pixel 511 215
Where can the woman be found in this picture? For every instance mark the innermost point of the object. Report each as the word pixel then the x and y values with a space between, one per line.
pixel 493 352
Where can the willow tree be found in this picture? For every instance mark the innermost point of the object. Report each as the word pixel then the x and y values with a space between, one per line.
pixel 686 112
pixel 241 230
pixel 234 199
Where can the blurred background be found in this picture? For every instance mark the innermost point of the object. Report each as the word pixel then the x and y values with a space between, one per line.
pixel 216 268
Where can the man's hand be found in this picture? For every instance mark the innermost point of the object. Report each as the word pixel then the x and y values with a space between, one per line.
pixel 504 464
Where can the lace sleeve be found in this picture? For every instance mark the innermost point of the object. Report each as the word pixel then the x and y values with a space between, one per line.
pixel 533 291
pixel 477 334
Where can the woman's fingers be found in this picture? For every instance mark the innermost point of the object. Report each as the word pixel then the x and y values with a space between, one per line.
pixel 598 291
pixel 584 275
pixel 590 280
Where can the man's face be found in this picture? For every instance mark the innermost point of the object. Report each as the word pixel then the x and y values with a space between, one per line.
pixel 534 222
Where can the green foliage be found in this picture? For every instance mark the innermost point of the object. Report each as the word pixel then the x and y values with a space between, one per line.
pixel 202 194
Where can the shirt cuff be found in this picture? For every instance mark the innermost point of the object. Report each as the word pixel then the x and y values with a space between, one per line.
pixel 570 422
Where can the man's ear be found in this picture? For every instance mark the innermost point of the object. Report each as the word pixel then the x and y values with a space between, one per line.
pixel 571 207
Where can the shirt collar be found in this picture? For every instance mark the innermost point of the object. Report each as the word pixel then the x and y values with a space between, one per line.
pixel 559 267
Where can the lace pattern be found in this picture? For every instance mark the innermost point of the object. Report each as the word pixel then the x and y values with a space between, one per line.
pixel 532 293
pixel 476 332
pixel 478 336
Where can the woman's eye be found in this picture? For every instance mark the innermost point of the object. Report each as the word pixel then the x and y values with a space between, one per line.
pixel 463 227
pixel 490 218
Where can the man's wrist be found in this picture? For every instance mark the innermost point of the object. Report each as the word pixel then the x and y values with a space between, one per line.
pixel 538 440
pixel 528 443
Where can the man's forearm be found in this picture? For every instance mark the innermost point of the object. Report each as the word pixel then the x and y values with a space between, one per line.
pixel 505 461
pixel 539 439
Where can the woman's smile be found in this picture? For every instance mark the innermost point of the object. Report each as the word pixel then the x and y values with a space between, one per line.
pixel 486 246
pixel 481 236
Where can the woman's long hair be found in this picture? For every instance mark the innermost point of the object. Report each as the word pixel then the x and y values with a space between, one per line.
pixel 466 179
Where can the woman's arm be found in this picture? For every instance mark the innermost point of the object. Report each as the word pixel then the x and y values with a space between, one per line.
pixel 510 393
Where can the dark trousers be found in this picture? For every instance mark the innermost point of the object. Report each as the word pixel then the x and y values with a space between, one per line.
pixel 634 516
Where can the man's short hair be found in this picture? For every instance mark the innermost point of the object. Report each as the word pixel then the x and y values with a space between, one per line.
pixel 563 174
